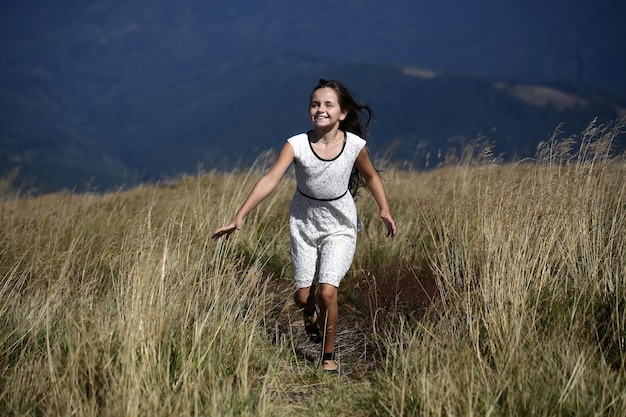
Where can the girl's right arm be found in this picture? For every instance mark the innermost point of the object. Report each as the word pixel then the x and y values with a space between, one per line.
pixel 260 191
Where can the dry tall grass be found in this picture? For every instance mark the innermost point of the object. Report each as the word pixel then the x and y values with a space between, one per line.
pixel 120 304
pixel 530 261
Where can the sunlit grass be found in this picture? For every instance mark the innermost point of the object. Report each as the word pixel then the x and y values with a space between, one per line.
pixel 121 304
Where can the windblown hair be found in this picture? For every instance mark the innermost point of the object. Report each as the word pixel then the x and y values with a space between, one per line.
pixel 357 121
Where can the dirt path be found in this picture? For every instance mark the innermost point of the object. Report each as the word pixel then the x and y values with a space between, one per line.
pixel 363 308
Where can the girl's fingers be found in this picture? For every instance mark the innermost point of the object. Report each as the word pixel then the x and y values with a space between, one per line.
pixel 217 234
pixel 391 226
pixel 223 231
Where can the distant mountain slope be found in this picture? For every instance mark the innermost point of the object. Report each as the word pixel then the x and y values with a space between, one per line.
pixel 108 92
pixel 136 40
pixel 229 115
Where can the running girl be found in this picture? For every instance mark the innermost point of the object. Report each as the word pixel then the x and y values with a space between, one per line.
pixel 331 162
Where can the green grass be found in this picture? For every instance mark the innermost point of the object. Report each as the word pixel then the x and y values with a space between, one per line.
pixel 504 293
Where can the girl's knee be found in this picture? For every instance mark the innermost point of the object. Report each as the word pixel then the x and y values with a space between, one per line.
pixel 301 296
pixel 327 294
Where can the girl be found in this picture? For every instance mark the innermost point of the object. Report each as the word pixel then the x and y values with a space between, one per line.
pixel 331 162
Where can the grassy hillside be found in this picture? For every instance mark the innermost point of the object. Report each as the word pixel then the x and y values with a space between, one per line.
pixel 504 293
pixel 113 133
pixel 99 94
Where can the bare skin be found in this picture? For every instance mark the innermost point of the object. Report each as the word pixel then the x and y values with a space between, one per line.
pixel 327 142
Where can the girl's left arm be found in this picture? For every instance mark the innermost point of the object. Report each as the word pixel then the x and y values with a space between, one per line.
pixel 375 185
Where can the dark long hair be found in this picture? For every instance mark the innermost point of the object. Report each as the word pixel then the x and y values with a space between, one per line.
pixel 357 121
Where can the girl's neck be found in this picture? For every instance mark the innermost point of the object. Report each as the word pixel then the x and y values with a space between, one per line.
pixel 327 136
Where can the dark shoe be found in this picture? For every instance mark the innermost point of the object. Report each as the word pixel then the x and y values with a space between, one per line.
pixel 312 328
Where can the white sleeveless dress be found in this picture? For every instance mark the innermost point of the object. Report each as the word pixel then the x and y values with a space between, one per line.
pixel 323 217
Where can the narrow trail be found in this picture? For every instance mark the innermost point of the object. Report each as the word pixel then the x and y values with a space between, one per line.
pixel 363 310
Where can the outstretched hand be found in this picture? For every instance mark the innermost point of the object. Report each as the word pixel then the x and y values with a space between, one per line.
pixel 389 224
pixel 226 230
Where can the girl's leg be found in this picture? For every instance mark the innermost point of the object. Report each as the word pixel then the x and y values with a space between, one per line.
pixel 305 299
pixel 329 313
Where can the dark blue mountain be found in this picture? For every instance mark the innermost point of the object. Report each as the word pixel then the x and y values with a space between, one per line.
pixel 111 92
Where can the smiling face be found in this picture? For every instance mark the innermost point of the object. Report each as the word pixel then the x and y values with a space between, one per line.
pixel 324 110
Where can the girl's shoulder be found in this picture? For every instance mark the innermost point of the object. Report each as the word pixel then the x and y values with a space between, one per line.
pixel 299 140
pixel 299 143
pixel 355 140
pixel 300 137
